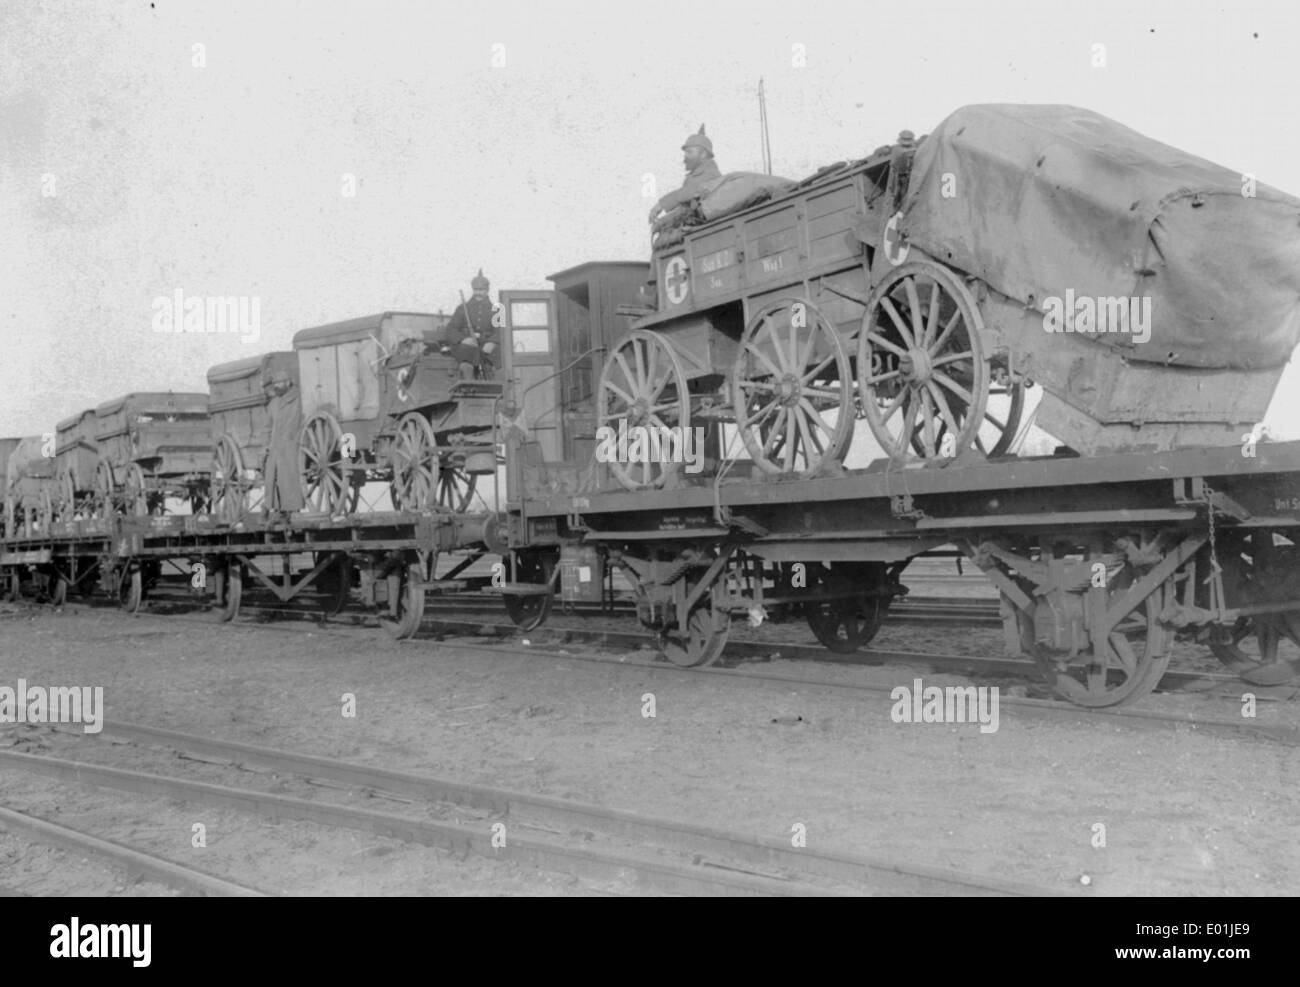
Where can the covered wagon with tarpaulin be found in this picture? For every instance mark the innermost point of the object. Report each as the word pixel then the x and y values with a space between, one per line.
pixel 76 460
pixel 30 493
pixel 238 413
pixel 380 403
pixel 153 445
pixel 1154 296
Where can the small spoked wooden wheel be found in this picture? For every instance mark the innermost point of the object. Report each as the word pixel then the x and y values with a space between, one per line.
pixel 643 390
pixel 792 390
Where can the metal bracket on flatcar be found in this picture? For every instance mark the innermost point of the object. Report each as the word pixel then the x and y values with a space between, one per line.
pixel 1201 493
pixel 902 507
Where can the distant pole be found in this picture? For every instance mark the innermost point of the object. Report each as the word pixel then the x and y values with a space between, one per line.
pixel 762 116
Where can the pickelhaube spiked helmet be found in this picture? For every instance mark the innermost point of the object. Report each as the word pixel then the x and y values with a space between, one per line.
pixel 699 140
pixel 479 282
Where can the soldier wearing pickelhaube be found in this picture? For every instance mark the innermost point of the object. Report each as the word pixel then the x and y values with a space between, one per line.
pixel 470 333
pixel 701 170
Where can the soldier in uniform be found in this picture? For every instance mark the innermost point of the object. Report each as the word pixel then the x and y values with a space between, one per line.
pixel 282 490
pixel 470 334
pixel 701 169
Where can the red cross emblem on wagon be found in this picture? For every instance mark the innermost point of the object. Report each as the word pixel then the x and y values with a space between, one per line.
pixel 896 246
pixel 676 283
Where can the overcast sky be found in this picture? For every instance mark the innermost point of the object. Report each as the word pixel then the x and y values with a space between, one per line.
pixel 226 178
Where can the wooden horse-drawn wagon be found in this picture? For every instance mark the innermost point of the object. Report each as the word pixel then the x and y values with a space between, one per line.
pixel 76 460
pixel 153 445
pixel 924 287
pixel 30 490
pixel 237 410
pixel 380 404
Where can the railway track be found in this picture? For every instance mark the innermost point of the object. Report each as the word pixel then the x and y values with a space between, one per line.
pixel 739 657
pixel 630 851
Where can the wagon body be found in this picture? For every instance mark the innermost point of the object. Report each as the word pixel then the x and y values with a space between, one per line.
pixel 166 433
pixel 76 451
pixel 30 485
pixel 380 403
pixel 237 397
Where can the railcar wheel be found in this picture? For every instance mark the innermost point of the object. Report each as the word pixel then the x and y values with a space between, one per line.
pixel 1263 650
pixel 1131 662
pixel 643 387
pixel 231 592
pixel 414 455
pixel 529 612
pixel 335 584
pixel 845 625
pixel 228 488
pixel 410 606
pixel 923 376
pixel 325 482
pixel 792 371
pixel 706 635
pixel 130 589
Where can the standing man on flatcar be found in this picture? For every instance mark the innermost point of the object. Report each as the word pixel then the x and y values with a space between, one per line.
pixel 701 169
pixel 278 436
pixel 470 334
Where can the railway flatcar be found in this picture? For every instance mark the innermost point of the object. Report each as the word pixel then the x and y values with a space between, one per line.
pixel 153 445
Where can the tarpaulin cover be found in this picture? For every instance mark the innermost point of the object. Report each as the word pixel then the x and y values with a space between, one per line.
pixel 1043 199
pixel 27 460
pixel 737 189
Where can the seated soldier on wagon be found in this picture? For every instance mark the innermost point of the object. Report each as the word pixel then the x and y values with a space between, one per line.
pixel 470 336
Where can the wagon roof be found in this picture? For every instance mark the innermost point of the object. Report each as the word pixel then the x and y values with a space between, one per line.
pixel 249 366
pixel 161 402
pixel 73 420
pixel 356 330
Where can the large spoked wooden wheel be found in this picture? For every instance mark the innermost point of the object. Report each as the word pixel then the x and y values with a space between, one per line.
pixel 643 387
pixel 455 486
pixel 321 466
pixel 1001 426
pixel 923 376
pixel 105 502
pixel 414 454
pixel 136 496
pixel 229 487
pixel 792 390
pixel 1125 668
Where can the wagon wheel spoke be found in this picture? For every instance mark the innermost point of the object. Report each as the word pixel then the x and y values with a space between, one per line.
pixel 928 436
pixel 937 346
pixel 878 340
pixel 952 358
pixel 918 321
pixel 946 381
pixel 888 305
pixel 771 367
pixel 812 374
